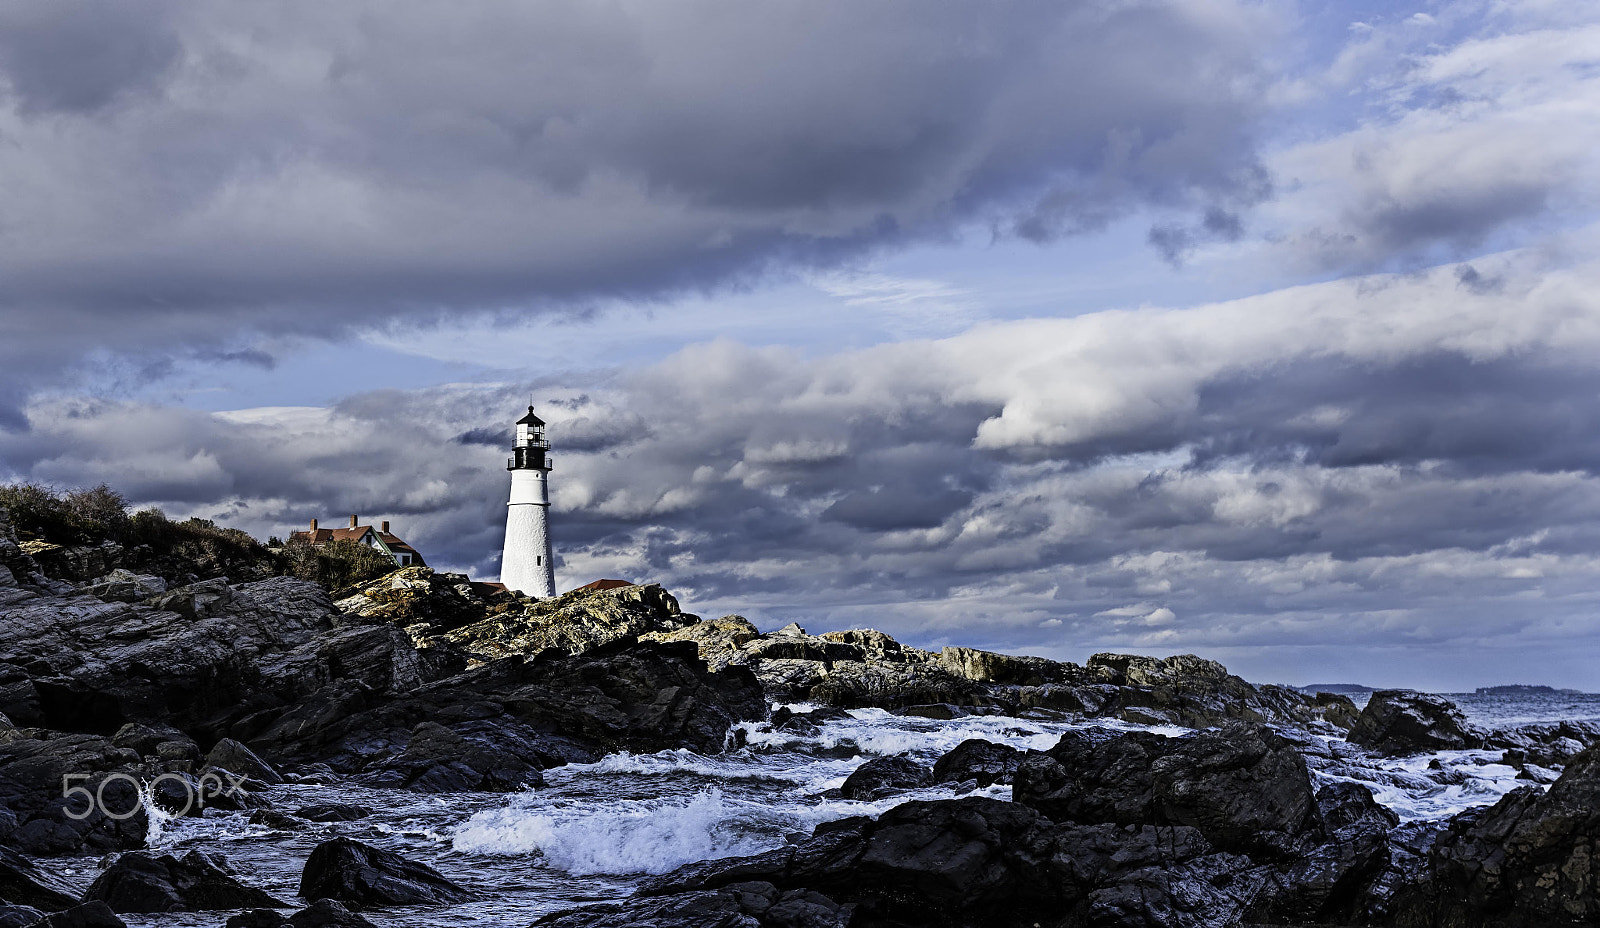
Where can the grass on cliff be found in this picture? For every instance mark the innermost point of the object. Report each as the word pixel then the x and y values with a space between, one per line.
pixel 152 543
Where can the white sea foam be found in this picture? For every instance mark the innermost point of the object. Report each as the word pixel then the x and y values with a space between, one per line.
pixel 655 836
pixel 1415 792
pixel 623 837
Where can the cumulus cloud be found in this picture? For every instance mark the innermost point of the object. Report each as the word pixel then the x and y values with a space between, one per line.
pixel 1400 466
pixel 198 174
pixel 1479 124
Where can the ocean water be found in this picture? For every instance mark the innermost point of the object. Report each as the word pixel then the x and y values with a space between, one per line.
pixel 1508 711
pixel 595 830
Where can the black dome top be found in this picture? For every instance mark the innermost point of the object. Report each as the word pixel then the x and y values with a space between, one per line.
pixel 530 419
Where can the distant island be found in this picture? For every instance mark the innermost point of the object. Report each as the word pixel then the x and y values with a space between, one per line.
pixel 1338 689
pixel 1525 689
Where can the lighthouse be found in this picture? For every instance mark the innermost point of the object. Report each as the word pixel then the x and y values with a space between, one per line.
pixel 525 564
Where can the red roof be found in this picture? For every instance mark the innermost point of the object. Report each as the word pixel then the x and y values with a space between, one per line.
pixel 324 535
pixel 604 585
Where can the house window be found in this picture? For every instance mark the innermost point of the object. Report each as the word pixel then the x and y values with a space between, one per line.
pixel 538 560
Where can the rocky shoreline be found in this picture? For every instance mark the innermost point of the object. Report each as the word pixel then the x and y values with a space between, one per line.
pixel 159 697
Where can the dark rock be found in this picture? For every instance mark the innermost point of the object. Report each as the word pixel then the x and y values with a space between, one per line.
pixel 889 685
pixel 883 776
pixel 234 757
pixel 125 586
pixel 332 812
pixel 1529 860
pixel 1404 722
pixel 938 711
pixel 184 794
pixel 866 668
pixel 92 914
pixel 497 725
pixel 984 862
pixel 327 913
pixel 1345 805
pixel 741 905
pixel 471 756
pixel 100 778
pixel 1244 787
pixel 362 875
pixel 1543 744
pixel 257 918
pixel 976 759
pixel 93 666
pixel 324 913
pixel 22 883
pixel 277 820
pixel 1331 882
pixel 74 563
pixel 1191 691
pixel 20 916
pixel 140 882
pixel 147 737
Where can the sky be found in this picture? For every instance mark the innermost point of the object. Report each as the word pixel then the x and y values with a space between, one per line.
pixel 1264 331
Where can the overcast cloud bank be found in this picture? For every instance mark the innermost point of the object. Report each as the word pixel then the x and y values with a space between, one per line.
pixel 1395 467
pixel 1380 468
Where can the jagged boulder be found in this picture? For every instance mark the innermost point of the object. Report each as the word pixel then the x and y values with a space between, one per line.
pixel 147 738
pixel 575 622
pixel 424 602
pixel 92 666
pixel 862 668
pixel 984 862
pixel 37 766
pixel 741 905
pixel 23 883
pixel 93 914
pixel 197 600
pixel 980 761
pixel 125 586
pixel 234 757
pixel 495 726
pixel 1191 691
pixel 1006 669
pixel 332 812
pixel 19 916
pixel 140 882
pixel 1244 788
pixel 1532 859
pixel 324 913
pixel 884 776
pixel 74 563
pixel 359 874
pixel 717 640
pixel 1543 744
pixel 1408 722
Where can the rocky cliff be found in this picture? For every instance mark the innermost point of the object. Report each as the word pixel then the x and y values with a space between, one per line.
pixel 426 682
pixel 122 675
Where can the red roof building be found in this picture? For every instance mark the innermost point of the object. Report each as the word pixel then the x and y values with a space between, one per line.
pixel 604 585
pixel 380 538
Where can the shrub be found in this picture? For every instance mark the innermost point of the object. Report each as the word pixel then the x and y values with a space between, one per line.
pixel 36 510
pixel 335 564
pixel 74 518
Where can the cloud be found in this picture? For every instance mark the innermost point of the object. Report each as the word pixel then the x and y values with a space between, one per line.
pixel 1398 466
pixel 188 180
pixel 1479 125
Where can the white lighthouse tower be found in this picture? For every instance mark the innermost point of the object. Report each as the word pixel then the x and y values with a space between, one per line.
pixel 525 565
